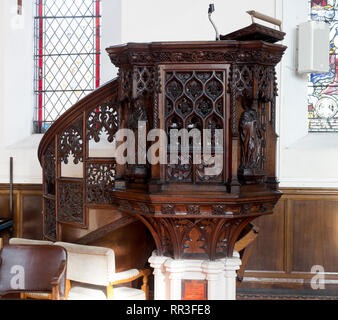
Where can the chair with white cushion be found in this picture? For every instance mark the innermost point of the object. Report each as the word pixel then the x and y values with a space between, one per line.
pixel 28 241
pixel 91 275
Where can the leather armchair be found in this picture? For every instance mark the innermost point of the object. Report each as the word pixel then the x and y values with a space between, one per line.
pixel 42 268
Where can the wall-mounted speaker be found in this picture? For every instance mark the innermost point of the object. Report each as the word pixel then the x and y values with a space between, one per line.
pixel 313 47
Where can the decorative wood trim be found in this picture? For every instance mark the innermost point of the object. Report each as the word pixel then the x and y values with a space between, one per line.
pixel 195 52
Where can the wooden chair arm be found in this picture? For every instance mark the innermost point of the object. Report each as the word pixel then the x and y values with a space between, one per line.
pixel 57 278
pixel 142 273
pixel 55 282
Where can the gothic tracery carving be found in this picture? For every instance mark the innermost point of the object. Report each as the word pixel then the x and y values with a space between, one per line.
pixel 145 81
pixel 180 171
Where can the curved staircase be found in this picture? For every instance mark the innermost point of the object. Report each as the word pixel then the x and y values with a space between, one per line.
pixel 79 171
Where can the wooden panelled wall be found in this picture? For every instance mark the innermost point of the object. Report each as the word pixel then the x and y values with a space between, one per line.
pixel 302 233
pixel 27 206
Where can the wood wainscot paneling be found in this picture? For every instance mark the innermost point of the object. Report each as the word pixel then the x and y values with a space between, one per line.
pixel 299 239
pixel 27 210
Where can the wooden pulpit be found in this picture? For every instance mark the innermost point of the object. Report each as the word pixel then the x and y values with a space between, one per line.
pixel 228 85
pixel 195 194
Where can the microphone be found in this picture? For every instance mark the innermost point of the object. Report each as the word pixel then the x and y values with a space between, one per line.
pixel 210 11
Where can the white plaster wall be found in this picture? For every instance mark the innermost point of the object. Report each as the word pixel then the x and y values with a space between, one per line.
pixel 305 159
pixel 163 20
pixel 16 84
pixel 16 100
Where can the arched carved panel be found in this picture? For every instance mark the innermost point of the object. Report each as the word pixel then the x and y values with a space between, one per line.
pixel 71 142
pixel 194 99
pixel 104 117
pixel 145 80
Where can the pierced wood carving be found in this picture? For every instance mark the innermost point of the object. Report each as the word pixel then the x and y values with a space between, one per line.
pixel 100 179
pixel 180 171
pixel 71 142
pixel 202 176
pixel 49 170
pixel 194 99
pixel 125 83
pixel 49 219
pixel 70 203
pixel 145 80
pixel 104 117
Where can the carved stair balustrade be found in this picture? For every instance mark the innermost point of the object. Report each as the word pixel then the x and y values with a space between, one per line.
pixel 67 199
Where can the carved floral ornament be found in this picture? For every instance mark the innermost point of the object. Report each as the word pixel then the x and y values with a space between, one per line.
pixel 233 55
pixel 71 142
pixel 100 179
pixel 221 210
pixel 103 117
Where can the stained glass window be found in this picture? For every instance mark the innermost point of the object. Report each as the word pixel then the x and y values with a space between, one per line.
pixel 323 88
pixel 67 56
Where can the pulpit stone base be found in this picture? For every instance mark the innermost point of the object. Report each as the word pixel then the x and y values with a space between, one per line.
pixel 214 280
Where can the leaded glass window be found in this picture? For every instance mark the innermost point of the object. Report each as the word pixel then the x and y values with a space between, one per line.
pixel 323 88
pixel 67 56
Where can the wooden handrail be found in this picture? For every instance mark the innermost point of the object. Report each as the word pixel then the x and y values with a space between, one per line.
pixel 72 114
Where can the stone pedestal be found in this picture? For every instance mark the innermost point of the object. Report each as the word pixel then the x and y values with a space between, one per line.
pixel 194 279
